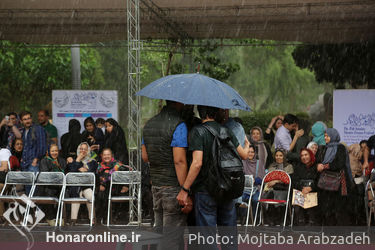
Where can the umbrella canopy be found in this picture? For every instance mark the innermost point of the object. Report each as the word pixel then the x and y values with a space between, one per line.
pixel 195 89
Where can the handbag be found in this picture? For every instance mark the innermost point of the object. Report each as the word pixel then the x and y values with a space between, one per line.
pixel 329 180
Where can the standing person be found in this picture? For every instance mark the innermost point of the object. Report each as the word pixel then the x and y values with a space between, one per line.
pixel 93 136
pixel 273 126
pixel 34 143
pixel 283 138
pixel 318 130
pixel 209 212
pixel 100 123
pixel 334 203
pixel 358 212
pixel 10 129
pixel 235 127
pixel 83 164
pixel 165 142
pixel 51 130
pixel 293 155
pixel 115 140
pixel 262 149
pixel 16 150
pixel 71 140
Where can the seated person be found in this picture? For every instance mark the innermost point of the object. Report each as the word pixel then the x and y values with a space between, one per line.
pixel 276 189
pixel 107 166
pixel 305 179
pixel 4 168
pixel 83 163
pixel 51 163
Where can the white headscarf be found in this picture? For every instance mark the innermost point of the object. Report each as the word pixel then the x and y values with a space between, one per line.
pixel 87 158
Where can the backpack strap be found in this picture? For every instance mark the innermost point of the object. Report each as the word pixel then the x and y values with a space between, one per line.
pixel 211 130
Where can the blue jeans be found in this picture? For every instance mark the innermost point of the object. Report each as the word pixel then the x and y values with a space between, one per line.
pixel 209 213
pixel 30 168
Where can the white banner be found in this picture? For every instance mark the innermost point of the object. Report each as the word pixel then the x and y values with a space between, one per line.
pixel 80 104
pixel 354 114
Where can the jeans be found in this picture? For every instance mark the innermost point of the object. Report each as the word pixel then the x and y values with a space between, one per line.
pixel 35 170
pixel 209 213
pixel 169 219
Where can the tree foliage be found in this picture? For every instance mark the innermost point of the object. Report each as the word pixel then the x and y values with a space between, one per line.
pixel 340 64
pixel 29 74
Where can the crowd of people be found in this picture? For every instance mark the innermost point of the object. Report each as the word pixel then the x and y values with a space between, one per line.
pixel 100 149
pixel 177 147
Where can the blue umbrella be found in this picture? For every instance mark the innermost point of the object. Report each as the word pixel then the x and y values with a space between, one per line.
pixel 195 89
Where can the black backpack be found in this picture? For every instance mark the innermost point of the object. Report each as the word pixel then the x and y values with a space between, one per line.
pixel 226 178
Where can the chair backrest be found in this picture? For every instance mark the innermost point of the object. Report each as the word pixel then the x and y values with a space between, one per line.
pixel 277 175
pixel 16 177
pixel 50 178
pixel 249 182
pixel 126 177
pixel 80 179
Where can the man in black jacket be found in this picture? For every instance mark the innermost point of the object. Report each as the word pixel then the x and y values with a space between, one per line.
pixel 164 147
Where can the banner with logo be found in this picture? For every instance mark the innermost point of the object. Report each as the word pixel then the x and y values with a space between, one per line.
pixel 354 114
pixel 80 104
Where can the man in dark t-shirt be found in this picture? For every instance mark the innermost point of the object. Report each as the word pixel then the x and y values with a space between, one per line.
pixel 209 213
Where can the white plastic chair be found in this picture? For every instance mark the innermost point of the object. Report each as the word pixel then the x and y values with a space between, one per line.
pixel 78 180
pixel 129 178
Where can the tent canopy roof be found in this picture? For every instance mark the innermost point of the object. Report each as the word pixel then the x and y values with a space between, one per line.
pixel 88 21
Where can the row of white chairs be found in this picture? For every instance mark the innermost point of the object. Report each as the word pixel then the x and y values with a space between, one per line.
pixel 58 179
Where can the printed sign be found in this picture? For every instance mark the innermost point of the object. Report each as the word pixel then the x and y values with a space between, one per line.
pixel 354 114
pixel 80 104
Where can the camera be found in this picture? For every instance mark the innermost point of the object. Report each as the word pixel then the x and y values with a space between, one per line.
pixel 7 117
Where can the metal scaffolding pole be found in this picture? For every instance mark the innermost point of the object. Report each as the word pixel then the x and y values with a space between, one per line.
pixel 134 110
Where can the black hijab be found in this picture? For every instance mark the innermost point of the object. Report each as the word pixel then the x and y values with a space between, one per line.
pixel 71 140
pixel 115 140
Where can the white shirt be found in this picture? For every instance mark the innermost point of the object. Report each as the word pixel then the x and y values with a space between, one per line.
pixel 283 138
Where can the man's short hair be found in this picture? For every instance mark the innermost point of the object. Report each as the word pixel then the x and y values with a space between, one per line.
pixel 290 119
pixel 23 113
pixel 12 113
pixel 207 111
pixel 45 111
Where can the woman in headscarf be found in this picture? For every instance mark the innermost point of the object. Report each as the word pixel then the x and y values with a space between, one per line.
pixel 251 167
pixel 71 140
pixel 313 146
pixel 276 189
pixel 280 162
pixel 106 168
pixel 51 163
pixel 262 149
pixel 334 204
pixel 318 130
pixel 93 136
pixel 83 163
pixel 305 179
pixel 115 140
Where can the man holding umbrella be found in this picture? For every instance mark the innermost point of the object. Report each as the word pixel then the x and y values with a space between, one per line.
pixel 164 147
